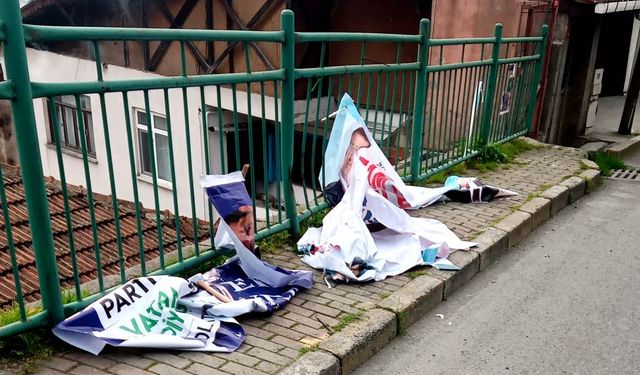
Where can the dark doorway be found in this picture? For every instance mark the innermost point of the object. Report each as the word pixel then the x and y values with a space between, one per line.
pixel 613 51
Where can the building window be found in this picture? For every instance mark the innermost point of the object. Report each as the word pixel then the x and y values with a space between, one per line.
pixel 160 140
pixel 69 130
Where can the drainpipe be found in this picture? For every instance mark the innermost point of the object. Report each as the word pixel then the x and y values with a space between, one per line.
pixel 545 70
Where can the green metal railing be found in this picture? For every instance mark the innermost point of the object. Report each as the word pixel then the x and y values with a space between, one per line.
pixel 427 113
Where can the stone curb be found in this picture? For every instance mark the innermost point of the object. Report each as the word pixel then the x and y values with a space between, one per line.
pixel 344 351
pixel 624 148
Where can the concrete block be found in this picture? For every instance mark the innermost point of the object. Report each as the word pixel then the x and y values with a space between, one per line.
pixel 492 243
pixel 625 148
pixel 594 146
pixel 589 164
pixel 361 339
pixel 469 262
pixel 592 179
pixel 539 208
pixel 517 225
pixel 559 197
pixel 414 300
pixel 314 363
pixel 576 187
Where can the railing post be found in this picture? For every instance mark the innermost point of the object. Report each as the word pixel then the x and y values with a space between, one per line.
pixel 30 163
pixel 536 77
pixel 420 98
pixel 288 64
pixel 490 93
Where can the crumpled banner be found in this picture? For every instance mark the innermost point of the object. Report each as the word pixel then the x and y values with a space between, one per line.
pixel 147 313
pixel 167 312
pixel 239 294
pixel 371 191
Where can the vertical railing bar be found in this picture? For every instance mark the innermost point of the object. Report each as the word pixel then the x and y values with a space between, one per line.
pixel 265 157
pixel 375 106
pixel 315 138
pixel 221 130
pixel 304 145
pixel 112 182
pixel 30 160
pixel 325 128
pixel 420 99
pixel 252 173
pixel 466 110
pixel 444 119
pixel 12 252
pixel 134 182
pixel 205 144
pixel 278 132
pixel 288 93
pixel 451 154
pixel 491 87
pixel 384 111
pixel 236 130
pixel 409 120
pixel 187 133
pixel 183 59
pixel 65 196
pixel 154 175
pixel 400 118
pixel 366 115
pixel 87 174
pixel 363 51
pixel 393 99
pixel 174 185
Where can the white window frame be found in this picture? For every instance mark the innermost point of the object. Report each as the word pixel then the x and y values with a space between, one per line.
pixel 155 131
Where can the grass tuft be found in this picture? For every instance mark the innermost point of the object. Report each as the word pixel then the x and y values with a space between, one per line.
pixel 607 162
pixel 346 320
pixel 308 349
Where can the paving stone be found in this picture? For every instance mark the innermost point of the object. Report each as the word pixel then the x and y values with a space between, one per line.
pixel 291 353
pixel 130 359
pixel 124 369
pixel 414 300
pixel 517 225
pixel 85 370
pixel 539 208
pixel 318 333
pixel 268 356
pixel 240 358
pixel 589 164
pixel 161 368
pixel 238 369
pixel 203 358
pixel 90 359
pixel 268 367
pixel 312 322
pixel 169 359
pixel 200 369
pixel 49 371
pixel 276 329
pixel 492 243
pixel 59 363
pixel 288 342
pixel 322 309
pixel 314 363
pixel 361 339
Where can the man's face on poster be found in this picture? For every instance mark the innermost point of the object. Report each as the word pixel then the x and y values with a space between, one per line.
pixel 241 222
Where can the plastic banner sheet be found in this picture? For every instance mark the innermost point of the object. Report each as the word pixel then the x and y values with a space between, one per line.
pixel 147 312
pixel 367 192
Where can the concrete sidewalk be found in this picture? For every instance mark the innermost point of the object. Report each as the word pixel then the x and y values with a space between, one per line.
pixel 547 178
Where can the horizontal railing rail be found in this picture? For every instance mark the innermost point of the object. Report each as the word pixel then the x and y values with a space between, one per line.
pixel 125 148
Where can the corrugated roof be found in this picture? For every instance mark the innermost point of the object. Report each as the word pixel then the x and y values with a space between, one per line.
pixel 82 235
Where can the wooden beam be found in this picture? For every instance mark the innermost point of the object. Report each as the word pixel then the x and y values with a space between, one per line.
pixel 65 14
pixel 177 22
pixel 252 22
pixel 145 24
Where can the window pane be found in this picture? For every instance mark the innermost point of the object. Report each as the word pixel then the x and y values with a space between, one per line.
pixel 142 117
pixel 144 151
pixel 85 102
pixel 69 124
pixel 88 123
pixel 67 99
pixel 162 156
pixel 159 123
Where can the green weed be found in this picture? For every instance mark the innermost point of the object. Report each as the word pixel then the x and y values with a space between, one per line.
pixel 307 349
pixel 607 162
pixel 413 274
pixel 346 320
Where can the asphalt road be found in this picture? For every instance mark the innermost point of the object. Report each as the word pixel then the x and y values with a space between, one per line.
pixel 566 301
